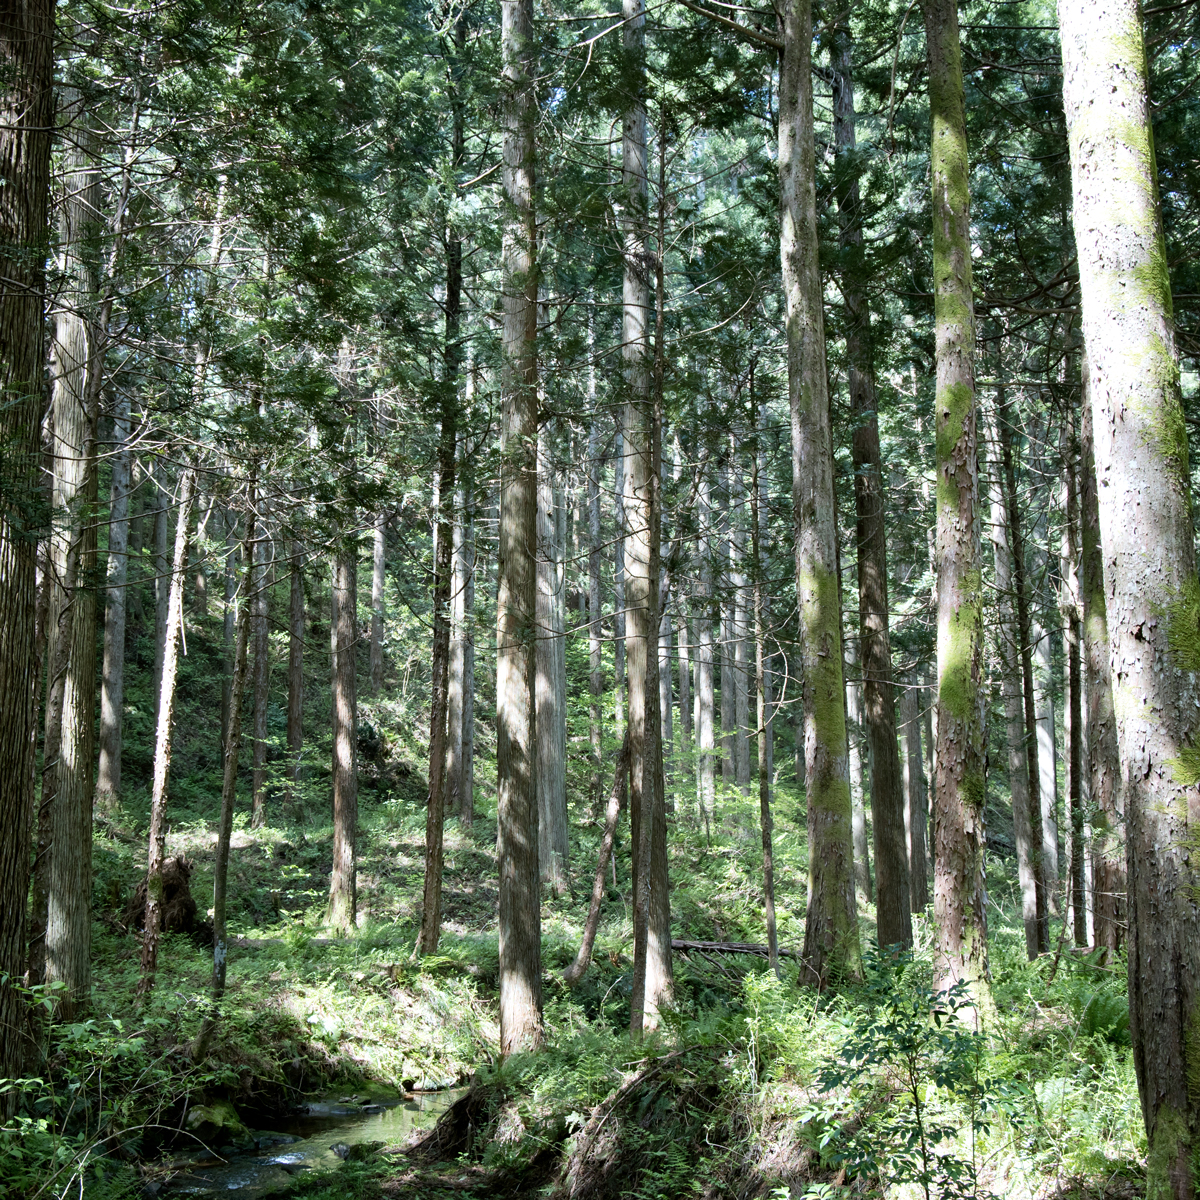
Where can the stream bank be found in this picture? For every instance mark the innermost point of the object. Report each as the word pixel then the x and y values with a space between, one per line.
pixel 318 1136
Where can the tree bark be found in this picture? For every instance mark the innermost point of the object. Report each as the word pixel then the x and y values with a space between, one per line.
pixel 892 899
pixel 916 803
pixel 295 692
pixel 161 498
pixel 1073 714
pixel 705 700
pixel 595 631
pixel 739 626
pixel 435 812
pixel 960 786
pixel 1104 765
pixel 341 913
pixel 1152 594
pixel 1033 775
pixel 229 615
pixel 831 940
pixel 112 686
pixel 1012 693
pixel 458 614
pixel 231 746
pixel 378 568
pixel 520 932
pixel 652 982
pixel 156 852
pixel 858 805
pixel 551 717
pixel 857 775
pixel 763 723
pixel 258 599
pixel 26 121
pixel 612 814
pixel 1043 693
pixel 67 774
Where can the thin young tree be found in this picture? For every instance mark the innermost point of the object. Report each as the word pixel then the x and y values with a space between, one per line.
pixel 156 853
pixel 231 747
pixel 1152 593
pixel 112 674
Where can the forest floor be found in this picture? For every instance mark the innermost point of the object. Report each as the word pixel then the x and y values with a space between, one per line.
pixel 733 1097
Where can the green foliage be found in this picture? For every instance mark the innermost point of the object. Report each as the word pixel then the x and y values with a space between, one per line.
pixel 909 1059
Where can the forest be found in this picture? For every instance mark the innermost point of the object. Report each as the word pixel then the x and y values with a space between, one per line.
pixel 601 600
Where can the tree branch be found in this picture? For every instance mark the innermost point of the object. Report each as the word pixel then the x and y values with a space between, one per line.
pixel 753 35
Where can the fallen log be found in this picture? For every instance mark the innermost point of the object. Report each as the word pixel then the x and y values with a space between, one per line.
pixel 684 946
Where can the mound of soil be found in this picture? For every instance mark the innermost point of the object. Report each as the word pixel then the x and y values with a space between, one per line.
pixel 179 906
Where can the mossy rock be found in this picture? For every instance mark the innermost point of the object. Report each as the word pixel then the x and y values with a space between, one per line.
pixel 217 1124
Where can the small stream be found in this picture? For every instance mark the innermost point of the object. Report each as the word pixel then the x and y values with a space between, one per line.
pixel 319 1137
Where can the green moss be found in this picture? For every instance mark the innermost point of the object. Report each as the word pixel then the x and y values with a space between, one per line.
pixel 822 629
pixel 1183 626
pixel 1169 1140
pixel 957 686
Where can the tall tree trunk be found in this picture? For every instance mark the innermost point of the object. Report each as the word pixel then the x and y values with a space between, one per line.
pixel 466 776
pixel 341 913
pixel 378 568
pixel 435 813
pixel 1152 594
pixel 161 498
pixel 67 774
pixel 229 615
pixel 960 787
pixel 26 121
pixel 685 676
pixel 831 941
pixel 705 700
pixel 916 805
pixel 652 982
pixel 1073 709
pixel 1011 690
pixel 112 686
pixel 858 805
pixel 1104 765
pixel 258 598
pixel 666 716
pixel 231 747
pixel 619 579
pixel 892 898
pixel 520 932
pixel 1025 642
pixel 612 813
pixel 760 678
pixel 156 852
pixel 1043 693
pixel 740 622
pixel 551 717
pixel 295 690
pixel 458 614
pixel 595 631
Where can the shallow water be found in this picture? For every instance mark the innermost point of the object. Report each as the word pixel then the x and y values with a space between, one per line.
pixel 303 1142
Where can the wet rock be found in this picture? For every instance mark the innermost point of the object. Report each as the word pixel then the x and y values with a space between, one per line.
pixel 341 1150
pixel 217 1124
